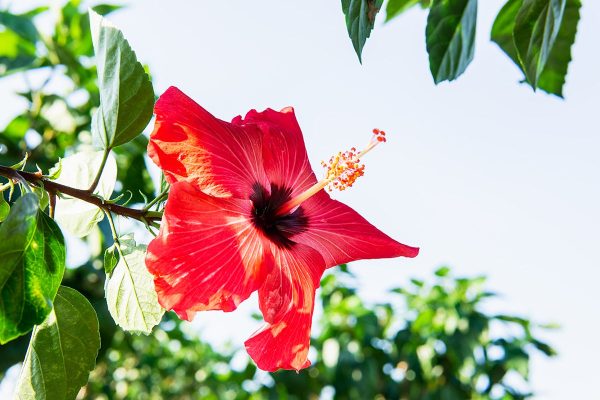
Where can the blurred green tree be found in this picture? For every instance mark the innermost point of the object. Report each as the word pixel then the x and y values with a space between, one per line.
pixel 432 342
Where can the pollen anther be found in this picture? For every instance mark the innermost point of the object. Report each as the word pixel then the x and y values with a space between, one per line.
pixel 342 170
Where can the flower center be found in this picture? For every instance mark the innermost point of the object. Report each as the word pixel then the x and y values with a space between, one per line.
pixel 278 228
pixel 343 169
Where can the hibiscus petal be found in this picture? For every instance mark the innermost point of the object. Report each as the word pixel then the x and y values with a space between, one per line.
pixel 188 143
pixel 284 152
pixel 342 235
pixel 207 255
pixel 287 300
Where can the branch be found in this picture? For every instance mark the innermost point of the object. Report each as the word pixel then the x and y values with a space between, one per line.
pixel 38 180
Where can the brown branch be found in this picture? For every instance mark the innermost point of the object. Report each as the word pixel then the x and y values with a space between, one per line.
pixel 37 179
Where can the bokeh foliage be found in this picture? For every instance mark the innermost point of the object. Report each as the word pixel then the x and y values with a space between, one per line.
pixel 430 341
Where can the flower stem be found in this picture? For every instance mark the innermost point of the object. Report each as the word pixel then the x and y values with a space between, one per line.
pixel 84 195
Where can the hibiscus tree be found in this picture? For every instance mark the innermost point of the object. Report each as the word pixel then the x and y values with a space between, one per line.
pixel 245 212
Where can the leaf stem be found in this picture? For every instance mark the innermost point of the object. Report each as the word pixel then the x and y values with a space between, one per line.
pixel 38 180
pixel 161 196
pixel 113 230
pixel 99 173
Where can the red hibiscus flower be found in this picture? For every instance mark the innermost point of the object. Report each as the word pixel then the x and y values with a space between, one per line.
pixel 245 212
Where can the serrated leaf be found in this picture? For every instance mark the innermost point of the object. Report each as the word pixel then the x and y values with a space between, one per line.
pixel 32 263
pixel 536 28
pixel 360 20
pixel 130 293
pixel 4 208
pixel 397 7
pixel 78 171
pixel 450 37
pixel 504 25
pixel 553 76
pixel 126 94
pixel 62 350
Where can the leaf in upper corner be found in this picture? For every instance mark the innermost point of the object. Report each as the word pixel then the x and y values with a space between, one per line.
pixel 536 27
pixel 360 20
pixel 130 293
pixel 32 263
pixel 126 94
pixel 553 76
pixel 450 37
pixel 78 171
pixel 62 350
pixel 504 25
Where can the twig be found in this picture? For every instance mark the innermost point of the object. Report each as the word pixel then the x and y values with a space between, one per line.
pixel 51 186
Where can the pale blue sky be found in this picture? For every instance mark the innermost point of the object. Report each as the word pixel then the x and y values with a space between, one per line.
pixel 483 174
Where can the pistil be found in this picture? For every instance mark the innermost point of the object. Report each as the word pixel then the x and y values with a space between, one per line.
pixel 343 169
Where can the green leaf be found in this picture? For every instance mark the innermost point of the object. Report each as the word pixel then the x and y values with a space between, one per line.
pixel 397 7
pixel 15 53
pixel 536 28
pixel 442 271
pixel 78 171
pixel 130 292
pixel 450 37
pixel 32 263
pixel 504 25
pixel 360 20
pixel 4 207
pixel 17 42
pixel 544 348
pixel 111 258
pixel 553 76
pixel 20 24
pixel 62 351
pixel 17 128
pixel 126 94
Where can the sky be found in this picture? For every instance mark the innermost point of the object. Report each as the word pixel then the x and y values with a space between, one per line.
pixel 482 173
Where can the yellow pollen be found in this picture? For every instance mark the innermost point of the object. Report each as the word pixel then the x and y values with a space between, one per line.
pixel 343 169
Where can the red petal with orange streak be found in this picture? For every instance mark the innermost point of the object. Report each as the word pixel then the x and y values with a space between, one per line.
pixel 342 235
pixel 188 143
pixel 207 255
pixel 287 300
pixel 284 152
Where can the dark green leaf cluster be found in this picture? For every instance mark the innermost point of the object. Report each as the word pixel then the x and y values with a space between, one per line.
pixel 536 34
